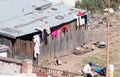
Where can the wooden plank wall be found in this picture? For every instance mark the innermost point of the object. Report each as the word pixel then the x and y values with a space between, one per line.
pixel 19 49
pixel 6 41
pixel 60 46
pixel 22 49
pixel 63 44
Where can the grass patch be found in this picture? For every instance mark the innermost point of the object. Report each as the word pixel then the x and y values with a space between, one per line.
pixel 98 58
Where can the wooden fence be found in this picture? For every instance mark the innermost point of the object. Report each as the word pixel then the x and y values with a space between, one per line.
pixel 54 72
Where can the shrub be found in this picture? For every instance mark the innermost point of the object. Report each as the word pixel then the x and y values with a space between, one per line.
pixel 97 5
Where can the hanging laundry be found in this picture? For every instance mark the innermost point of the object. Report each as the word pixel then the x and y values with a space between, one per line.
pixel 36 41
pixel 42 27
pixel 78 23
pixel 45 37
pixel 87 16
pixel 64 28
pixel 82 20
pixel 80 13
pixel 41 35
pixel 54 32
pixel 78 17
pixel 85 20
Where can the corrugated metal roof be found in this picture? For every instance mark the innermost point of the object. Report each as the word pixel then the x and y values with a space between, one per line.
pixel 67 2
pixel 15 23
pixel 15 8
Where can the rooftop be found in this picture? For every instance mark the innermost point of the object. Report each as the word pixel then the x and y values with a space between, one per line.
pixel 19 17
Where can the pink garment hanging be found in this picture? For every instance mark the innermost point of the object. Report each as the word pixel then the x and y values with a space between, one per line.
pixel 54 33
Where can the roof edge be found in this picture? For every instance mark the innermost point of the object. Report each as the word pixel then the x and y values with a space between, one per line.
pixel 7 35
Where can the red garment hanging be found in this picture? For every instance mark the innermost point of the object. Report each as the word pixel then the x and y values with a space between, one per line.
pixel 79 13
pixel 65 27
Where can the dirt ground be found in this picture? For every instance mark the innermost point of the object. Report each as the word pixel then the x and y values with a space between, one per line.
pixel 73 63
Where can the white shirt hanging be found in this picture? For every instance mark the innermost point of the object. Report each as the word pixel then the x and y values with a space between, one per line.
pixel 36 40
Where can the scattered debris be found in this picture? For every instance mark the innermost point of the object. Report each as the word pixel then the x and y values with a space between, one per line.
pixel 65 73
pixel 100 44
pixel 111 10
pixel 82 50
pixel 58 62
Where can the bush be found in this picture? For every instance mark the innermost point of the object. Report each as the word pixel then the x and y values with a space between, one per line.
pixel 91 5
pixel 97 5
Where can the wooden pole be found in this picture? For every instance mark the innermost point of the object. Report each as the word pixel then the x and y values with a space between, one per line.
pixel 108 40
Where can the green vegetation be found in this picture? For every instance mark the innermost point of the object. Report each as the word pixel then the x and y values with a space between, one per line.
pixel 99 58
pixel 97 5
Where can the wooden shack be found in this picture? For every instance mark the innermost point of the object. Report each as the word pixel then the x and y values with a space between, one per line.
pixel 20 39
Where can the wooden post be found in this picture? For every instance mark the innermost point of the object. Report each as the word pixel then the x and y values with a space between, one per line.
pixel 108 40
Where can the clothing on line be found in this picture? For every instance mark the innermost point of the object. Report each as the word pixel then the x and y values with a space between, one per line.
pixel 64 28
pixel 41 35
pixel 45 37
pixel 54 32
pixel 43 27
pixel 82 18
pixel 36 41
pixel 78 17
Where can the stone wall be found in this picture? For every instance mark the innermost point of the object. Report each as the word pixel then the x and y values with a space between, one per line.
pixel 19 75
pixel 10 66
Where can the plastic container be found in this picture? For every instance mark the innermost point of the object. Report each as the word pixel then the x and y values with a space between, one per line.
pixel 111 70
pixel 111 67
pixel 110 74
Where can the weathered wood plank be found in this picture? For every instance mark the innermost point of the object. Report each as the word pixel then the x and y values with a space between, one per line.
pixel 60 46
